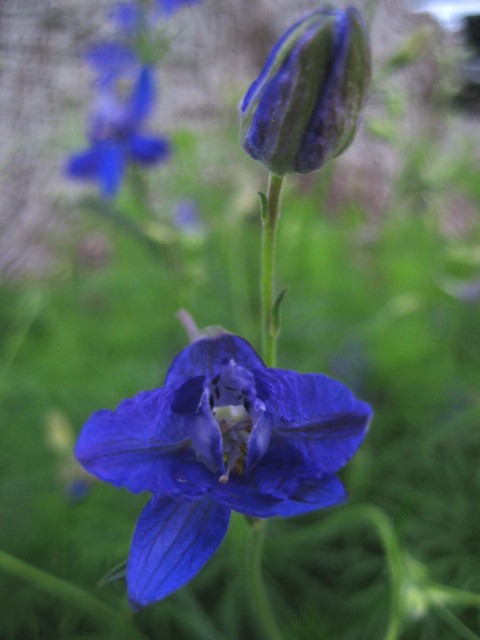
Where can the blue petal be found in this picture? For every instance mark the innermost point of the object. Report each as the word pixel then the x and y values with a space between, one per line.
pixel 282 469
pixel 128 16
pixel 257 84
pixel 259 438
pixel 313 495
pixel 206 356
pixel 274 100
pixel 173 539
pixel 143 96
pixel 149 150
pixel 203 431
pixel 104 162
pixel 244 496
pixel 112 168
pixel 316 417
pixel 111 61
pixel 188 396
pixel 141 446
pixel 84 165
pixel 194 416
pixel 328 112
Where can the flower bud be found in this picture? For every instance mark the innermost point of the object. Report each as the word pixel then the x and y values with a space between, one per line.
pixel 304 107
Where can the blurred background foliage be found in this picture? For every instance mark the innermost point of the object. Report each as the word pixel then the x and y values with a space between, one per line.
pixel 381 256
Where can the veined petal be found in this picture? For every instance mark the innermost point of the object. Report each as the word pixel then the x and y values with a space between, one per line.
pixel 313 495
pixel 206 356
pixel 243 496
pixel 315 416
pixel 270 66
pixel 173 539
pixel 250 499
pixel 148 150
pixel 141 446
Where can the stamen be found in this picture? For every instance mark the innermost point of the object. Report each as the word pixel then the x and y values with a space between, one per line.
pixel 231 395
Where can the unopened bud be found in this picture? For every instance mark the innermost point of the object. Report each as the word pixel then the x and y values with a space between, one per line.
pixel 304 107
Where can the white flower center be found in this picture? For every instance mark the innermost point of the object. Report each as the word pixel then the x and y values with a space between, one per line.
pixel 235 425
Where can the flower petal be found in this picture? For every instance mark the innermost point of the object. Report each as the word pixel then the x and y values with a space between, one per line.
pixel 142 98
pixel 173 539
pixel 259 438
pixel 148 150
pixel 128 16
pixel 243 496
pixel 205 357
pixel 246 497
pixel 142 447
pixel 313 495
pixel 111 61
pixel 84 165
pixel 112 168
pixel 203 431
pixel 315 416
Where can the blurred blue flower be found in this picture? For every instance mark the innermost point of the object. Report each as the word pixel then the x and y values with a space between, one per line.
pixel 132 17
pixel 111 62
pixel 186 218
pixel 167 8
pixel 224 432
pixel 128 16
pixel 116 135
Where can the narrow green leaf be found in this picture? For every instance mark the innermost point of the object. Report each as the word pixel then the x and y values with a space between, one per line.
pixel 119 571
pixel 263 207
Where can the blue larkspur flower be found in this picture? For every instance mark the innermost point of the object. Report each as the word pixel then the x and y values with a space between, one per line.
pixel 224 432
pixel 304 108
pixel 116 135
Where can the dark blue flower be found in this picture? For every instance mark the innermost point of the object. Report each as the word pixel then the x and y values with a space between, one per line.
pixel 224 432
pixel 116 133
pixel 304 107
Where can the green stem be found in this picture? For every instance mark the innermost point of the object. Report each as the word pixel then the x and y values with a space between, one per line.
pixel 458 596
pixel 258 593
pixel 270 217
pixel 393 553
pixel 68 592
